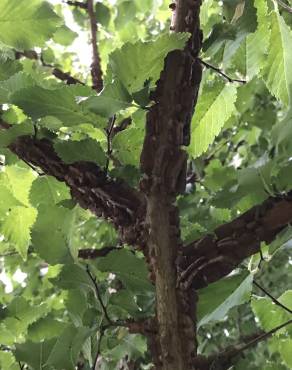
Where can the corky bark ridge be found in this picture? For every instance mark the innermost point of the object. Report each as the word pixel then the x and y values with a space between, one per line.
pixel 89 186
pixel 215 255
pixel 163 163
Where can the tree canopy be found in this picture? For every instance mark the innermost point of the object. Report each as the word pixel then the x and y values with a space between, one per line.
pixel 145 189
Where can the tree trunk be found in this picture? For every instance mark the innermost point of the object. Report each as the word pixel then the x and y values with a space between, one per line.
pixel 163 163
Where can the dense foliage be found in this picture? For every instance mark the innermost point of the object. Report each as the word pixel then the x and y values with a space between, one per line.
pixel 72 290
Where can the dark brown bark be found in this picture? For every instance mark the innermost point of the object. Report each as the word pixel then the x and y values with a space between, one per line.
pixel 90 187
pixel 163 163
pixel 96 72
pixel 214 256
pixel 177 271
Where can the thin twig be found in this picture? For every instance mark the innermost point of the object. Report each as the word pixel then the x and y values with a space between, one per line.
pixel 57 72
pixel 218 70
pixel 91 254
pixel 284 6
pixel 225 357
pixel 96 72
pixel 264 336
pixel 98 295
pixel 101 334
pixel 275 300
pixel 125 123
pixel 109 131
pixel 78 4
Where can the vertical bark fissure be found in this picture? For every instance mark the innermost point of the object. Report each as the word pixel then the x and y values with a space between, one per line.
pixel 163 163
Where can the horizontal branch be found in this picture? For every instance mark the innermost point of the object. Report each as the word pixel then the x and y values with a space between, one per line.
pixel 215 255
pixel 90 187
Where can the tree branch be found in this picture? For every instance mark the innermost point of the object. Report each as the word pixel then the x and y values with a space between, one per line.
pixel 96 72
pixel 216 255
pixel 164 165
pixel 90 187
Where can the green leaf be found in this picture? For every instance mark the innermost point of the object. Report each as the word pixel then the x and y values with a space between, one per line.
pixel 61 103
pixel 19 181
pixel 215 106
pixel 218 298
pixel 46 328
pixel 103 14
pixel 20 80
pixel 51 235
pixel 64 36
pixel 112 99
pixel 64 353
pixel 73 276
pixel 40 351
pixel 7 200
pixel 285 351
pixel 127 144
pixel 48 190
pixel 17 227
pixel 8 69
pixel 126 11
pixel 271 315
pixel 24 25
pixel 84 150
pixel 7 361
pixel 135 63
pixel 276 73
pixel 76 302
pixel 257 43
pixel 8 136
pixel 19 314
pixel 130 270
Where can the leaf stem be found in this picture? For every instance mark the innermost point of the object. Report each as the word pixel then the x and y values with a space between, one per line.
pixel 101 334
pixel 218 70
pixel 264 336
pixel 275 300
pixel 109 132
pixel 98 295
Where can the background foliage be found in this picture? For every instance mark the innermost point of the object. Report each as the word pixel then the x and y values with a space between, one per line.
pixel 50 314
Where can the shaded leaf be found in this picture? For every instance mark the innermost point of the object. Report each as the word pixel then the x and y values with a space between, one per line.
pixel 24 25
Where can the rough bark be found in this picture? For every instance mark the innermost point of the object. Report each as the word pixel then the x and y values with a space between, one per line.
pixel 90 187
pixel 96 72
pixel 163 164
pixel 214 256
